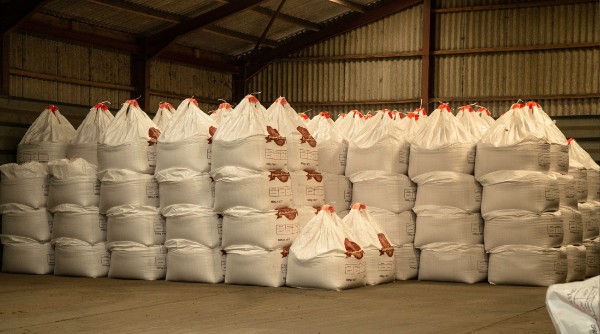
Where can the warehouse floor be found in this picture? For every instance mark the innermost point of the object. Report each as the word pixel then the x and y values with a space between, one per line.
pixel 50 304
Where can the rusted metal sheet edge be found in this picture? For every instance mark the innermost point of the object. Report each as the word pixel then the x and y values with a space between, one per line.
pixel 391 55
pixel 519 48
pixel 512 6
pixel 516 98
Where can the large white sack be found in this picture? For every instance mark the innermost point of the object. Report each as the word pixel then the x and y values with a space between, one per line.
pixel 576 263
pixel 47 137
pixel 73 182
pixel 447 224
pixel 338 191
pixel 249 139
pixel 592 257
pixel 572 226
pixel 485 114
pixel 392 192
pixel 559 151
pixel 350 124
pixel 25 184
pixel 302 147
pixel 593 177
pixel 260 190
pixel 324 255
pixel 398 227
pixel 410 125
pixel 222 113
pixel 407 262
pixel 593 170
pixel 22 255
pixel 575 307
pixel 523 190
pixel 307 188
pixel 473 123
pixel 23 221
pixel 448 189
pixel 76 222
pixel 519 227
pixel 250 265
pixel 579 173
pixel 73 257
pixel 379 145
pixel 128 141
pixel 140 224
pixel 194 223
pixel 305 214
pixel 567 190
pixel 379 252
pixel 185 186
pixel 193 262
pixel 590 216
pixel 527 265
pixel 163 115
pixel 85 143
pixel 448 262
pixel 332 145
pixel 130 260
pixel 187 141
pixel 269 230
pixel 123 187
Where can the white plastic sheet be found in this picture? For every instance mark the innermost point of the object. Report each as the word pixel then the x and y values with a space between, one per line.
pixel 575 307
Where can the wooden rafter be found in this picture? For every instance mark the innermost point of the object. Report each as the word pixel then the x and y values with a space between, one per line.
pixel 239 36
pixel 267 28
pixel 283 17
pixel 350 5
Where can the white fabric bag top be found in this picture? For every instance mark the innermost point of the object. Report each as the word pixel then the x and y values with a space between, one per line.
pixel 307 188
pixel 76 222
pixel 576 263
pixel 525 190
pixel 485 114
pixel 269 230
pixel 78 258
pixel 193 262
pixel 262 191
pixel 593 170
pixel 85 143
pixel 194 223
pixel 22 255
pixel 21 220
pixel 303 117
pixel 130 260
pixel 222 113
pixel 249 139
pixel 527 265
pixel 250 265
pixel 63 169
pixel 50 126
pixel 559 152
pixel 575 307
pixel 447 224
pixel 350 124
pixel 338 191
pixel 123 187
pixel 398 227
pixel 443 131
pixel 73 182
pixel 410 125
pixel 27 170
pixel 184 186
pixel 140 224
pixel 519 227
pixel 473 122
pixel 379 145
pixel 592 256
pixel 25 184
pixel 448 189
pixel 302 146
pixel 332 145
pixel 448 262
pixel 407 262
pixel 163 115
pixel 590 217
pixel 392 192
pixel 572 226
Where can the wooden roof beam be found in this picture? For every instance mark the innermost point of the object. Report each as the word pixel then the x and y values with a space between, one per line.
pixel 283 17
pixel 238 36
pixel 350 5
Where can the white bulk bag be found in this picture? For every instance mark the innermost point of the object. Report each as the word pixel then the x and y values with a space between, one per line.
pixel 527 265
pixel 250 265
pixel 23 221
pixel 73 182
pixel 443 145
pixel 485 114
pixel 74 257
pixel 85 143
pixel 187 141
pixel 338 191
pixel 47 137
pixel 579 174
pixel 249 139
pixel 566 190
pixel 593 177
pixel 123 187
pixel 184 186
pixel 592 169
pixel 398 227
pixel 576 263
pixel 163 115
pixel 519 227
pixel 575 307
pixel 447 224
pixel 302 147
pixel 222 113
pixel 307 188
pixel 392 192
pixel 193 262
pixel 25 184
pixel 559 151
pixel 379 252
pixel 350 124
pixel 407 262
pixel 194 223
pixel 76 222
pixel 449 262
pixel 260 190
pixel 332 145
pixel 379 145
pixel 590 216
pixel 411 125
pixel 592 257
pixel 448 189
pixel 130 260
pixel 473 123
pixel 22 255
pixel 270 230
pixel 128 141
pixel 572 226
pixel 140 224
pixel 324 255
pixel 305 214
pixel 523 190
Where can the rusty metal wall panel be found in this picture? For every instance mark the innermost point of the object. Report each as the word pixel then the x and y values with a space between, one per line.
pixel 467 3
pixel 553 107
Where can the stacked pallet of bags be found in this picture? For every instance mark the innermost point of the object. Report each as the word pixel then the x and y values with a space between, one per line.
pixel 85 143
pixel 253 191
pixel 129 195
pixel 377 166
pixel 449 228
pixel 523 227
pixel 193 229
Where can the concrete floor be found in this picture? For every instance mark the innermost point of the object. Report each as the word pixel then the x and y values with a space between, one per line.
pixel 50 304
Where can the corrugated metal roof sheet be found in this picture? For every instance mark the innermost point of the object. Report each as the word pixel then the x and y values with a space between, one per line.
pixel 189 8
pixel 467 3
pixel 310 10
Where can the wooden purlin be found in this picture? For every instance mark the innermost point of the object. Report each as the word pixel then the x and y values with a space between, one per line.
pixel 355 7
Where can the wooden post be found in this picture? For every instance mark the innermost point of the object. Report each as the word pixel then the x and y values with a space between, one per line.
pixel 427 62
pixel 140 80
pixel 239 86
pixel 5 58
